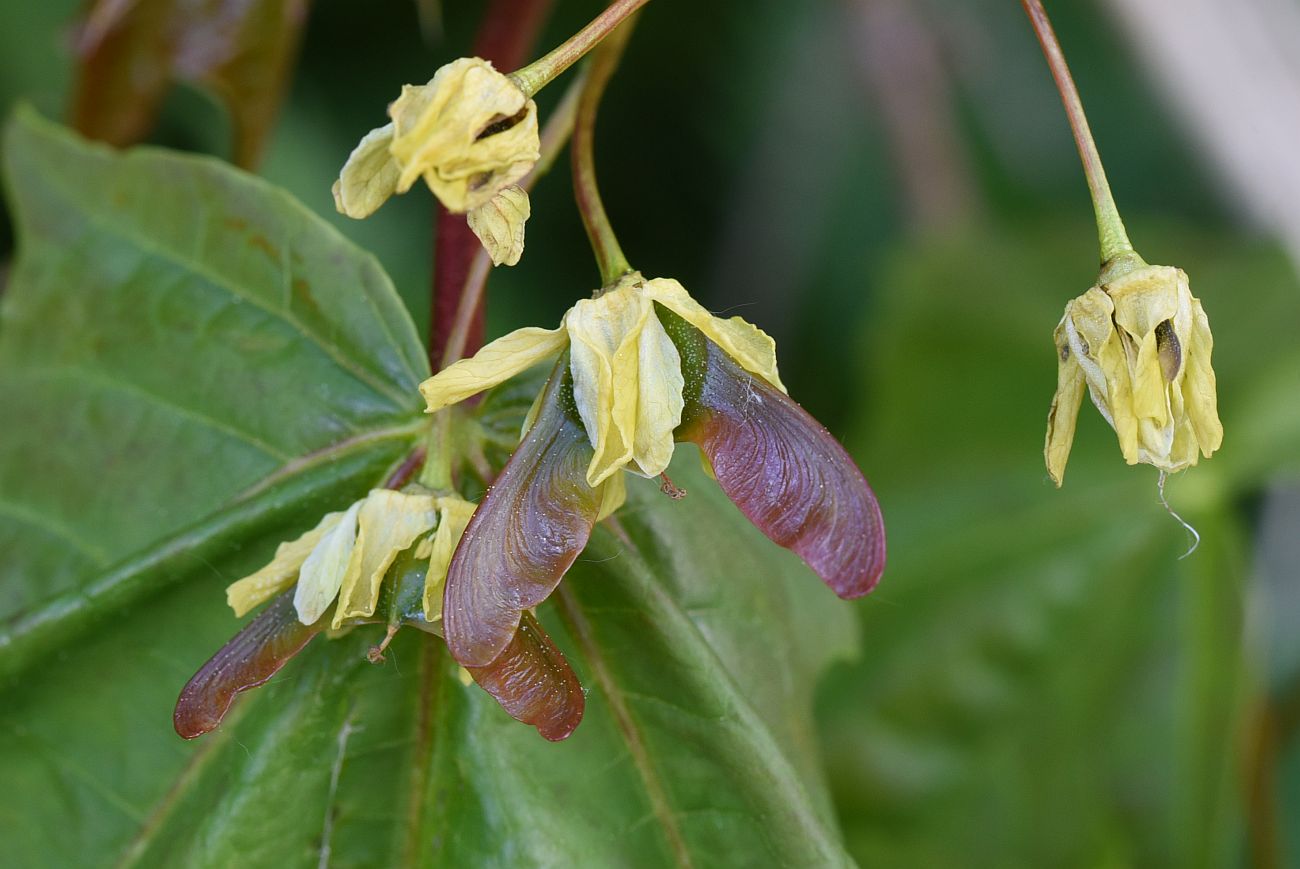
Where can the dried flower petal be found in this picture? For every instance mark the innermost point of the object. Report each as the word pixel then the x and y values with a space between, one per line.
pixel 496 363
pixel 603 336
pixel 369 177
pixel 749 345
pixel 251 591
pixel 499 225
pixel 453 517
pixel 388 523
pixel 1200 391
pixel 470 132
pixel 627 381
pixel 613 493
pixel 323 571
pixel 1063 416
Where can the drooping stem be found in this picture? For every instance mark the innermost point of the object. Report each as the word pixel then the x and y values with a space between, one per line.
pixel 537 74
pixel 556 133
pixel 1110 228
pixel 609 255
pixel 505 37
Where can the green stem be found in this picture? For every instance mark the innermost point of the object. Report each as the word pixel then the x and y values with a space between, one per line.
pixel 539 73
pixel 436 473
pixel 1110 229
pixel 604 244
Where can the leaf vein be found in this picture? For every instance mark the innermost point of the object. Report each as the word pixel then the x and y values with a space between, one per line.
pixel 54 528
pixel 627 726
pixel 662 608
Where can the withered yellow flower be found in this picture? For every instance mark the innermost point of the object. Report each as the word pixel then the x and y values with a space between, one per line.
pixel 1141 344
pixel 469 133
pixel 627 373
pixel 346 556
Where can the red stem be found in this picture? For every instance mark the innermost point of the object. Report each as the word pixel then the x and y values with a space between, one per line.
pixel 409 467
pixel 453 252
pixel 508 32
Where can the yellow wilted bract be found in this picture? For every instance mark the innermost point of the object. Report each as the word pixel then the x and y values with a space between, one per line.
pixel 454 515
pixel 346 556
pixel 499 225
pixel 469 133
pixel 1141 345
pixel 627 377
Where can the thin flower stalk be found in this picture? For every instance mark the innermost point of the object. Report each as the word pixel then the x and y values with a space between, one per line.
pixel 1110 228
pixel 542 71
pixel 604 244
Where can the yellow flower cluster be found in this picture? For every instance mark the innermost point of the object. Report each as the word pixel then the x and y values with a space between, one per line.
pixel 627 374
pixel 347 554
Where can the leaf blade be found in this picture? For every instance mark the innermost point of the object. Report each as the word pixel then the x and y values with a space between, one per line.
pixel 159 405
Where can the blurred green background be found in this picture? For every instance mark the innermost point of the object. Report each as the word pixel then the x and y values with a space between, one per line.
pixel 890 189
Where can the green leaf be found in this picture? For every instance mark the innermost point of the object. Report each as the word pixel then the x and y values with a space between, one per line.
pixel 132 51
pixel 698 641
pixel 697 746
pixel 188 355
pixel 1044 682
pixel 248 370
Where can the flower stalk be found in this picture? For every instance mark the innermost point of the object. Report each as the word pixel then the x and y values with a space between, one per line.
pixel 540 72
pixel 1116 250
pixel 604 244
pixel 435 475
